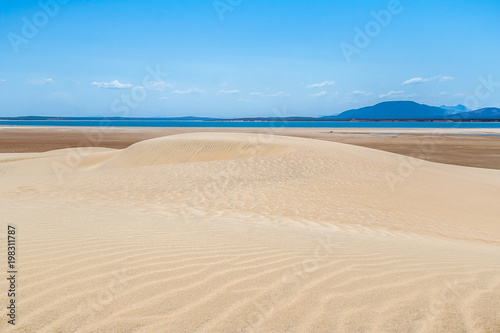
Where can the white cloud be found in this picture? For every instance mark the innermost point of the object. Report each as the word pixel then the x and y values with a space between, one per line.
pixel 158 85
pixel 189 91
pixel 415 80
pixel 439 78
pixel 446 78
pixel 278 94
pixel 362 93
pixel 392 94
pixel 112 85
pixel 243 100
pixel 220 92
pixel 321 85
pixel 39 81
pixel 322 93
pixel 3 80
pixel 164 98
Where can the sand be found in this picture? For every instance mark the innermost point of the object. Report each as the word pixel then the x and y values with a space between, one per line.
pixel 242 232
pixel 474 147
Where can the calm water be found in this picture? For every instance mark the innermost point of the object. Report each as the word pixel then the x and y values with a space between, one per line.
pixel 185 123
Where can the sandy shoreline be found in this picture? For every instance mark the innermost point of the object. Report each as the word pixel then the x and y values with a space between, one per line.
pixel 466 147
pixel 242 232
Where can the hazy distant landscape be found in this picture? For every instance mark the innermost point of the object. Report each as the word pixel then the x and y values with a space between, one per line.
pixel 386 111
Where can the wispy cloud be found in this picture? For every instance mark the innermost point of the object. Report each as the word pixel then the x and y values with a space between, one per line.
pixel 244 100
pixel 362 93
pixel 278 94
pixel 164 98
pixel 321 85
pixel 221 92
pixel 193 91
pixel 158 85
pixel 3 80
pixel 392 94
pixel 112 85
pixel 39 81
pixel 416 80
pixel 358 96
pixel 322 93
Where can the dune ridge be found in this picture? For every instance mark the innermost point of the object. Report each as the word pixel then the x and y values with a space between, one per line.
pixel 228 232
pixel 191 148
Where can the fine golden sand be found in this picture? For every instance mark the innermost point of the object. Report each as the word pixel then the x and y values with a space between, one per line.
pixel 241 232
pixel 474 147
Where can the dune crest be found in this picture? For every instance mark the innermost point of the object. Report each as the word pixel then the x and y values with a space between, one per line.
pixel 201 147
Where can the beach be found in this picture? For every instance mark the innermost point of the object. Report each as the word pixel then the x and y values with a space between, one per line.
pixel 475 147
pixel 252 230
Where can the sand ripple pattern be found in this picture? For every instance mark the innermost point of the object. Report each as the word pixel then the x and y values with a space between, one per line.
pixel 246 233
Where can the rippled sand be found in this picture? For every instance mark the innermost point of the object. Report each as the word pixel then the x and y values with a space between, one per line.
pixel 228 232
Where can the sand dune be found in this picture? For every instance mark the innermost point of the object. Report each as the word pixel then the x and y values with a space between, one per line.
pixel 192 148
pixel 228 232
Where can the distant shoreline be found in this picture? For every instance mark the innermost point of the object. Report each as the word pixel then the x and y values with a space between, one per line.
pixel 131 123
pixel 288 119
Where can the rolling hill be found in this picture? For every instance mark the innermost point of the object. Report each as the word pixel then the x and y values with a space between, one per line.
pixel 393 110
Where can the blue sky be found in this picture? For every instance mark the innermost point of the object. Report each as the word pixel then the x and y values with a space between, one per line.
pixel 231 58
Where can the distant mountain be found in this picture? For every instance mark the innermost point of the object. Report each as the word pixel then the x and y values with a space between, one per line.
pixel 385 111
pixel 455 109
pixel 394 110
pixel 486 113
